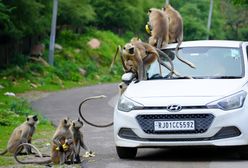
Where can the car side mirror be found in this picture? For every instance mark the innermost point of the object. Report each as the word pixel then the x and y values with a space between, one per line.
pixel 127 77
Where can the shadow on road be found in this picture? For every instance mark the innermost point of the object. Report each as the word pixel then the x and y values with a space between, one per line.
pixel 189 154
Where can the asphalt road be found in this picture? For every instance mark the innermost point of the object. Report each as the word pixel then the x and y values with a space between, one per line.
pixel 100 140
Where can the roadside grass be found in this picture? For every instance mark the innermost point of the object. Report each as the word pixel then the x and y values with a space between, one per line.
pixel 75 65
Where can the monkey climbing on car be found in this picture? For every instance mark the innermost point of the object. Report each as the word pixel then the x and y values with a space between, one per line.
pixel 153 54
pixel 159 23
pixel 175 30
pixel 146 55
pixel 22 134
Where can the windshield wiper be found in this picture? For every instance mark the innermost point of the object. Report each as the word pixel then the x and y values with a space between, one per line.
pixel 155 76
pixel 182 77
pixel 226 77
pixel 217 77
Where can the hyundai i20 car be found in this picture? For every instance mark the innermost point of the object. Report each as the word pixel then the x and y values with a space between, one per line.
pixel 202 106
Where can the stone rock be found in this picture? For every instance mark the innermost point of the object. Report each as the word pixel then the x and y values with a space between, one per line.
pixel 94 43
pixel 58 47
pixel 33 85
pixel 9 94
pixel 77 50
pixel 82 71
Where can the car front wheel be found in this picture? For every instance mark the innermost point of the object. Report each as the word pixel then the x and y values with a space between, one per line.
pixel 126 152
pixel 243 153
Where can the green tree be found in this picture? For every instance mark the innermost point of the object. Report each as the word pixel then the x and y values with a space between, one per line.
pixel 236 21
pixel 26 17
pixel 75 13
pixel 120 16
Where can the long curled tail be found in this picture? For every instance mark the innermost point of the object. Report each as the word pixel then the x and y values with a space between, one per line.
pixel 4 152
pixel 118 50
pixel 171 68
pixel 31 162
pixel 90 123
pixel 181 59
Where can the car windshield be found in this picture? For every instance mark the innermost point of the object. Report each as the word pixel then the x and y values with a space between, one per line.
pixel 210 63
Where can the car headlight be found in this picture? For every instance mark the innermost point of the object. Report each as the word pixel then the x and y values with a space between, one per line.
pixel 126 104
pixel 231 102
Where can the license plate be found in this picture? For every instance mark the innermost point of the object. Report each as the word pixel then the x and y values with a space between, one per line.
pixel 174 125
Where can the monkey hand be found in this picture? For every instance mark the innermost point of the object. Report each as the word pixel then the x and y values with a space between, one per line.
pixel 148 28
pixel 65 147
pixel 60 148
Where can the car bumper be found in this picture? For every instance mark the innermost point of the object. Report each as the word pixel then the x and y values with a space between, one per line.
pixel 129 133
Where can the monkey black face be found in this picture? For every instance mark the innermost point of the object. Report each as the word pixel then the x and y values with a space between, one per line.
pixel 149 11
pixel 128 49
pixel 35 118
pixel 131 50
pixel 77 124
pixel 32 119
pixel 66 122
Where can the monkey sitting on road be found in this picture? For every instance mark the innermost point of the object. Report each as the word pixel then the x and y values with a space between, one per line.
pixel 22 134
pixel 62 147
pixel 77 138
pixel 175 30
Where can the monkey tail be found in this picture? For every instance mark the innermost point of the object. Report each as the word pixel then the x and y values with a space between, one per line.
pixel 113 61
pixel 90 123
pixel 4 152
pixel 181 59
pixel 31 162
pixel 171 68
pixel 159 42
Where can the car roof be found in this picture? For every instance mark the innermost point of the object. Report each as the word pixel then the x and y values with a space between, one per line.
pixel 207 43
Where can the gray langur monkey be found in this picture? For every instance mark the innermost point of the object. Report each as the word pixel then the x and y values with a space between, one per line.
pixel 159 23
pixel 176 30
pixel 60 137
pixel 22 134
pixel 77 138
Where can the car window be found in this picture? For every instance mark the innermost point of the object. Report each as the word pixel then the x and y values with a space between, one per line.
pixel 210 62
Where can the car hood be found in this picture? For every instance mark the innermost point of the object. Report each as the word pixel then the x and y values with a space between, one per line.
pixel 184 88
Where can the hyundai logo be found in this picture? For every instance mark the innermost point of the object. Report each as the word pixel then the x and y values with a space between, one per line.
pixel 174 108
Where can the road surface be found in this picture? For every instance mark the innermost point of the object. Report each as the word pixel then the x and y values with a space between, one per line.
pixel 100 140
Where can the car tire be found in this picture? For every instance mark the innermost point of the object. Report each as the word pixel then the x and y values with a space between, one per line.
pixel 243 153
pixel 126 152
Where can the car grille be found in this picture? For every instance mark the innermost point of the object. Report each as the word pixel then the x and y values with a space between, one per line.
pixel 202 122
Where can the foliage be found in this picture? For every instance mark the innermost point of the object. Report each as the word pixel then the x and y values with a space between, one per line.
pixel 236 21
pixel 75 56
pixel 75 13
pixel 26 17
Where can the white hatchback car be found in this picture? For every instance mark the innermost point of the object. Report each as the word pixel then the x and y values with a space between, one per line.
pixel 210 109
